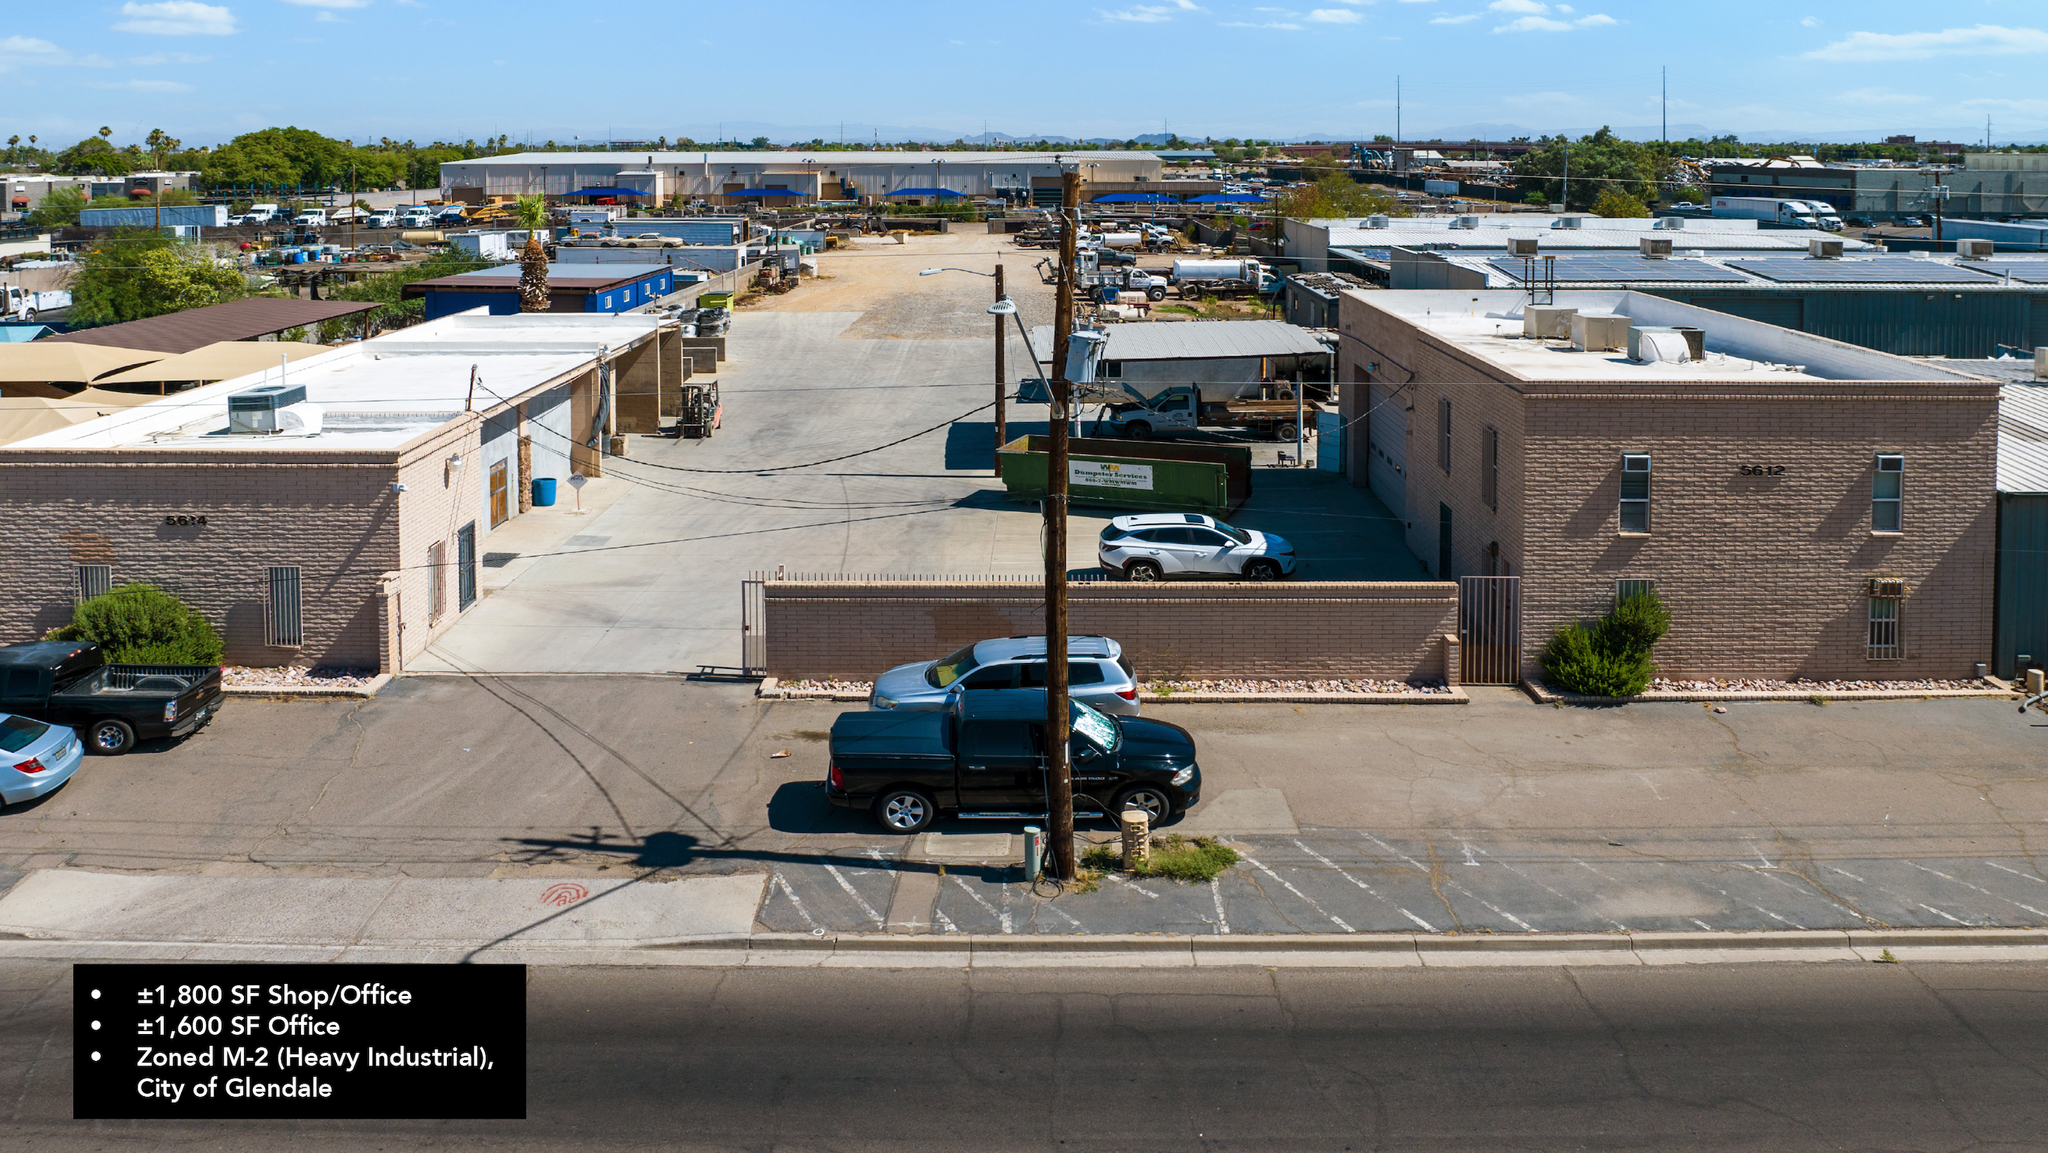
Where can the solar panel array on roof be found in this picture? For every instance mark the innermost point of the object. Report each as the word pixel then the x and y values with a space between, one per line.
pixel 2024 271
pixel 1619 267
pixel 1878 270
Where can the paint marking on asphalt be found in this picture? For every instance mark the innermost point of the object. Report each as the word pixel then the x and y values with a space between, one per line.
pixel 1942 915
pixel 886 862
pixel 783 883
pixel 1222 921
pixel 877 918
pixel 1526 926
pixel 1427 927
pixel 1142 890
pixel 1759 853
pixel 1653 787
pixel 1758 908
pixel 1591 869
pixel 1810 888
pixel 945 922
pixel 2014 872
pixel 1001 915
pixel 1903 899
pixel 1979 888
pixel 1056 911
pixel 1548 889
pixel 1310 901
pixel 1848 874
pixel 1702 924
pixel 1469 858
pixel 1413 863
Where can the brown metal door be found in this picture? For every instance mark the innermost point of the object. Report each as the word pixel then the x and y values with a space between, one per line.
pixel 1490 629
pixel 501 494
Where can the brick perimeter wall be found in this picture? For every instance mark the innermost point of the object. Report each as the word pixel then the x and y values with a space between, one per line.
pixel 855 630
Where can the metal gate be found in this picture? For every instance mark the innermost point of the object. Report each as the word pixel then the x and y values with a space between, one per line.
pixel 1490 629
pixel 753 628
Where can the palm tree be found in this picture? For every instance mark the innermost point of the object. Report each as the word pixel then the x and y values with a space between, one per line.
pixel 105 132
pixel 533 259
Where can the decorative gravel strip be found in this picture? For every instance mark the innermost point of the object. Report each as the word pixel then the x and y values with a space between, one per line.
pixel 816 690
pixel 1659 685
pixel 295 681
pixel 1759 689
pixel 1163 690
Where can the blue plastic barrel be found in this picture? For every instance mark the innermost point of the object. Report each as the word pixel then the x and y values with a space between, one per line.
pixel 543 491
pixel 1109 292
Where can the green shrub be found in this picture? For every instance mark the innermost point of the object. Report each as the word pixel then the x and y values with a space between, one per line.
pixel 138 624
pixel 1611 658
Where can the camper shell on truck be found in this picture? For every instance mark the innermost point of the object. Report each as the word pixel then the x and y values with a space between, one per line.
pixel 111 706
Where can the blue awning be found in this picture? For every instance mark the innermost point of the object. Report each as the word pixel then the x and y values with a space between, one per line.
pixel 605 192
pixel 926 192
pixel 1229 198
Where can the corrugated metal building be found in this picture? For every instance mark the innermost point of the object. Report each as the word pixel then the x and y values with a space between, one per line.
pixel 571 288
pixel 2022 630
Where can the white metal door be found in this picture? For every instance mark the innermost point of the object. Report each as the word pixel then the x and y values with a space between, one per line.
pixel 1386 448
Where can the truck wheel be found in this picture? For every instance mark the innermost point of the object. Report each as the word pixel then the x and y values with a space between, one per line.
pixel 1148 800
pixel 1285 430
pixel 1138 430
pixel 1189 292
pixel 905 811
pixel 1155 295
pixel 110 738
pixel 1261 570
pixel 1141 570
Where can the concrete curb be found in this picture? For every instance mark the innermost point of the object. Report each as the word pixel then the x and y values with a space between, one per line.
pixel 772 690
pixel 294 692
pixel 963 950
pixel 1544 695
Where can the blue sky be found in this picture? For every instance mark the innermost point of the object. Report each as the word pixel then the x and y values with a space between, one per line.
pixel 425 69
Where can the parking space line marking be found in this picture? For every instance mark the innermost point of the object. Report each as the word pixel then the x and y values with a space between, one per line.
pixel 1417 865
pixel 1848 874
pixel 1757 907
pixel 1134 885
pixel 1001 915
pixel 1548 889
pixel 783 883
pixel 1526 926
pixel 1702 924
pixel 1310 901
pixel 1056 911
pixel 1222 921
pixel 1469 858
pixel 886 862
pixel 1901 897
pixel 1968 885
pixel 1942 915
pixel 2014 872
pixel 945 922
pixel 1426 926
pixel 877 918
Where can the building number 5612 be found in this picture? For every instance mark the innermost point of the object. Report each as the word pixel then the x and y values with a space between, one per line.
pixel 1763 470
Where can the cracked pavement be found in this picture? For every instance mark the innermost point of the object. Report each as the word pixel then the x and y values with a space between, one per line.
pixel 1502 816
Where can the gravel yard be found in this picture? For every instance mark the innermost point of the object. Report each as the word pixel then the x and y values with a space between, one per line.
pixel 294 677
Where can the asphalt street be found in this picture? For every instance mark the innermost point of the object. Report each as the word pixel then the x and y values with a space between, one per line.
pixel 1750 1057
pixel 1499 816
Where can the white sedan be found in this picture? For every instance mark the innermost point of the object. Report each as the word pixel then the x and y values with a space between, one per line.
pixel 1150 546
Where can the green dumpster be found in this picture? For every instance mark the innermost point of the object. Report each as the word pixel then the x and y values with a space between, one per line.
pixel 1137 476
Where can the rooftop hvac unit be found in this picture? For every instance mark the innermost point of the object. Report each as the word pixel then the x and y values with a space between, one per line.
pixel 1465 222
pixel 1599 333
pixel 1521 246
pixel 1820 249
pixel 255 409
pixel 1654 247
pixel 1570 222
pixel 1376 222
pixel 1547 321
pixel 1973 249
pixel 2041 363
pixel 1670 223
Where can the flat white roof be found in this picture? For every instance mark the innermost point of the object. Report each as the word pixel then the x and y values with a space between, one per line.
pixel 1489 322
pixel 379 394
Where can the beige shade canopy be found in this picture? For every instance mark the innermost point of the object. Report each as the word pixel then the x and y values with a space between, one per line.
pixel 22 417
pixel 222 360
pixel 42 361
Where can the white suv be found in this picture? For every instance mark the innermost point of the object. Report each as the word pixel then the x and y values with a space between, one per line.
pixel 1150 546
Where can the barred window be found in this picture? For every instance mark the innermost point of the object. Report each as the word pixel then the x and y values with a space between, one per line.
pixel 93 580
pixel 1626 588
pixel 1886 598
pixel 284 627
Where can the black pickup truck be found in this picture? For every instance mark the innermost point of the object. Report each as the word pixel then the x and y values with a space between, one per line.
pixel 983 756
pixel 111 706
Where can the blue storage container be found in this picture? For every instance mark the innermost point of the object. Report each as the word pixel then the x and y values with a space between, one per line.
pixel 543 491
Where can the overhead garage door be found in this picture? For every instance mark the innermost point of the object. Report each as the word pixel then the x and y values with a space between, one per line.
pixel 1387 448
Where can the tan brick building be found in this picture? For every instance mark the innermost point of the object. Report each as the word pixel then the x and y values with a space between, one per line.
pixel 1805 507
pixel 352 537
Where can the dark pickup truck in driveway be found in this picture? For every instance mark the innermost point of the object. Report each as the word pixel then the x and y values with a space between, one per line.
pixel 983 756
pixel 111 706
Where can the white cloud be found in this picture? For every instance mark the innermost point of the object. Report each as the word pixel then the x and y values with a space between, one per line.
pixel 1534 24
pixel 1150 13
pixel 1278 25
pixel 1809 22
pixel 1880 96
pixel 1565 9
pixel 330 3
pixel 1418 1
pixel 1334 16
pixel 29 50
pixel 1982 40
pixel 155 59
pixel 177 18
pixel 1596 20
pixel 147 86
pixel 1529 6
pixel 328 18
pixel 1467 18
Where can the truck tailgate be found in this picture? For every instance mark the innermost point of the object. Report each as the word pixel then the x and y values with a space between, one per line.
pixel 203 695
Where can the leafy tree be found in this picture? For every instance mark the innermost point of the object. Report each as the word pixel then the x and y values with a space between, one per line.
pixel 161 144
pixel 1616 205
pixel 139 624
pixel 387 290
pixel 760 142
pixel 1336 194
pixel 92 156
pixel 139 272
pixel 1597 162
pixel 60 208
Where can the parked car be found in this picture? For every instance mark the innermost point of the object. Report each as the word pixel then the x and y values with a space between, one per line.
pixel 112 706
pixel 1858 222
pixel 983 757
pixel 1149 546
pixel 1097 673
pixel 234 220
pixel 35 758
pixel 380 220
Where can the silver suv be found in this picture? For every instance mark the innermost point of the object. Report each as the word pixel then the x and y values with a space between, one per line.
pixel 1097 674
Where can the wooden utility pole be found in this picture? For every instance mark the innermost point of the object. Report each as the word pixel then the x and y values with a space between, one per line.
pixel 1002 380
pixel 1059 779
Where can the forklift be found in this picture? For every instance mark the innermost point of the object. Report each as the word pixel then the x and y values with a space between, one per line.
pixel 699 412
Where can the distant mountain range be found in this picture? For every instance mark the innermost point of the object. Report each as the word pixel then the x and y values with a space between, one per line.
pixel 784 134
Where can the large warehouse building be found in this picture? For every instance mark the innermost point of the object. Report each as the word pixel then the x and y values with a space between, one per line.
pixel 786 177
